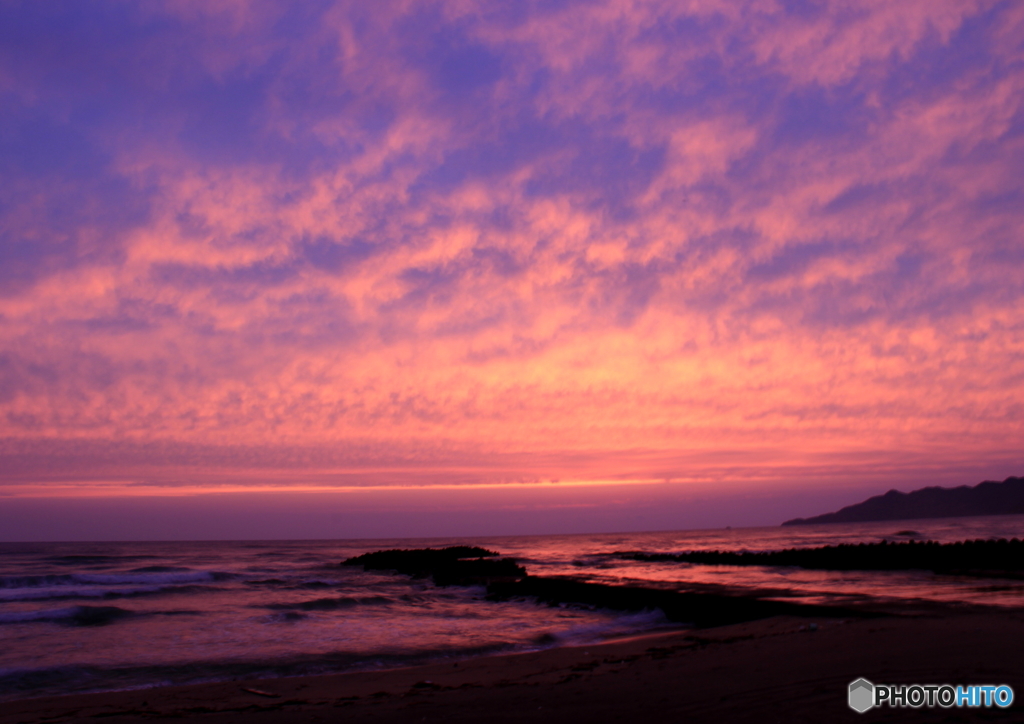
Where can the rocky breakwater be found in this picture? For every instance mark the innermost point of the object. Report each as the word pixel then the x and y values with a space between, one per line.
pixel 998 558
pixel 507 580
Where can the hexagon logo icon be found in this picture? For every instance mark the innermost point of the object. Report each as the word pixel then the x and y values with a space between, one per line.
pixel 862 695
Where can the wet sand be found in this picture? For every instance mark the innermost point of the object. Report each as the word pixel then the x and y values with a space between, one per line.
pixel 777 669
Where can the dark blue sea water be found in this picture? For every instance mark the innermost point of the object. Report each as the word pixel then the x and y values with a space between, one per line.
pixel 99 616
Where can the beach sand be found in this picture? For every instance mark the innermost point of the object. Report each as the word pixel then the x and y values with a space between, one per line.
pixel 773 670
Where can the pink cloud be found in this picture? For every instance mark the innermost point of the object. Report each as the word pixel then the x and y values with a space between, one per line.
pixel 612 241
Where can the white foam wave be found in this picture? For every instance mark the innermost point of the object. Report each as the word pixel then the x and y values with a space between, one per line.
pixel 124 579
pixel 77 615
pixel 43 594
pixel 633 623
pixel 52 614
pixel 113 579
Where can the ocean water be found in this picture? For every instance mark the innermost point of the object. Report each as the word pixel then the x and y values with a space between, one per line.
pixel 77 617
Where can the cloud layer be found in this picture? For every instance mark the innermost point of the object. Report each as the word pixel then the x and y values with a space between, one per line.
pixel 420 242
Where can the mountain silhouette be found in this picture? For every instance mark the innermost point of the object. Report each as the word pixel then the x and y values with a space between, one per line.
pixel 988 498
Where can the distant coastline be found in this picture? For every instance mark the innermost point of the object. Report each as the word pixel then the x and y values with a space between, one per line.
pixel 987 498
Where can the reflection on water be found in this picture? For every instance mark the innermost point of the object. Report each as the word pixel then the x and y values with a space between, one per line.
pixel 589 557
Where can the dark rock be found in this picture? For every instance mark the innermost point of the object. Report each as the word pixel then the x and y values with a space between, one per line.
pixel 699 609
pixel 452 566
pixel 988 498
pixel 97 615
pixel 461 565
pixel 978 557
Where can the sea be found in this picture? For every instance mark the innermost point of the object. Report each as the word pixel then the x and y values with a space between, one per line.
pixel 88 617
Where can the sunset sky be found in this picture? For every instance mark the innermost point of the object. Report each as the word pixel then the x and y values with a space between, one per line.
pixel 346 269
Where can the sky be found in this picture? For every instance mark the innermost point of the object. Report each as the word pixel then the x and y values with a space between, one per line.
pixel 347 269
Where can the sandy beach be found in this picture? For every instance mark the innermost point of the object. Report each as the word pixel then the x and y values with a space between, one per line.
pixel 779 669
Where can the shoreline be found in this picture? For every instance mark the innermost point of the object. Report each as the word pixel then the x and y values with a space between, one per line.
pixel 739 672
